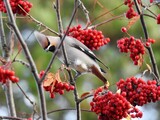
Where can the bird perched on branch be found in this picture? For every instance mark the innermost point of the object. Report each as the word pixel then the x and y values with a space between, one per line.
pixel 80 58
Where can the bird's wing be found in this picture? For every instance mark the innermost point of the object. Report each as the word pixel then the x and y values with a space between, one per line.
pixel 80 46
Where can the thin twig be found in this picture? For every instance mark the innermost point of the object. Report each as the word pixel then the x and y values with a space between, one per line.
pixel 22 62
pixel 32 103
pixel 150 51
pixel 149 16
pixel 10 98
pixel 106 13
pixel 38 22
pixel 147 8
pixel 80 100
pixel 111 19
pixel 66 109
pixel 11 118
pixel 66 58
pixel 29 58
pixel 86 12
pixel 3 38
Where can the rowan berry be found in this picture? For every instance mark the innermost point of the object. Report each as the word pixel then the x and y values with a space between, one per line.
pixel 93 39
pixel 134 46
pixel 110 106
pixel 6 74
pixel 124 29
pixel 16 6
pixel 140 92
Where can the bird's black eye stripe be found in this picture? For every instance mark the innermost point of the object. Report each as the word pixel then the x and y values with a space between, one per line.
pixel 52 48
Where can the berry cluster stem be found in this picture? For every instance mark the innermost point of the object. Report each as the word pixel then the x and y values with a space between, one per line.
pixel 149 48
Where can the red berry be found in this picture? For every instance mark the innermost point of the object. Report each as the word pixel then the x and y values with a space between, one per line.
pixel 124 29
pixel 110 106
pixel 132 45
pixel 158 19
pixel 151 1
pixel 15 6
pixel 41 73
pixel 72 87
pixel 147 44
pixel 14 79
pixel 93 39
pixel 141 91
pixel 52 95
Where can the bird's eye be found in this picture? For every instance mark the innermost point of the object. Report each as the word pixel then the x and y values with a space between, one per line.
pixel 52 48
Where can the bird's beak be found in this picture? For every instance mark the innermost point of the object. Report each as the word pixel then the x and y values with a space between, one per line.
pixel 42 39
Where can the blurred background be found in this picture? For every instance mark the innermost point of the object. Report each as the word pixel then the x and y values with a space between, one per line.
pixel 120 64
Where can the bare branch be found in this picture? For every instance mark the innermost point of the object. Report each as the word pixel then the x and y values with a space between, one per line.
pixel 3 39
pixel 80 100
pixel 32 103
pixel 29 58
pixel 86 12
pixel 65 54
pixel 64 109
pixel 8 86
pixel 10 99
pixel 111 19
pixel 11 118
pixel 150 51
pixel 22 62
pixel 38 22
pixel 105 13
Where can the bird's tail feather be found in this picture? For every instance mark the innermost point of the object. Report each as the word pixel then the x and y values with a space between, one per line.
pixel 99 74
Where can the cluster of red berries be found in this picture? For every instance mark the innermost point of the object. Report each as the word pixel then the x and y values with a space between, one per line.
pixel 132 45
pixel 93 39
pixel 135 113
pixel 58 87
pixel 109 106
pixel 158 19
pixel 7 75
pixel 15 5
pixel 139 92
pixel 149 41
pixel 55 86
pixel 131 12
pixel 151 1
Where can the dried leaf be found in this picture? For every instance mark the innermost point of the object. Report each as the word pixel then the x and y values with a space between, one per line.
pixel 127 118
pixel 85 94
pixel 57 76
pixel 53 84
pixel 107 84
pixel 118 91
pixel 140 61
pixel 50 78
pixel 149 67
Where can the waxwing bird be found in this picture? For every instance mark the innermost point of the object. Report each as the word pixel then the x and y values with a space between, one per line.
pixel 80 58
